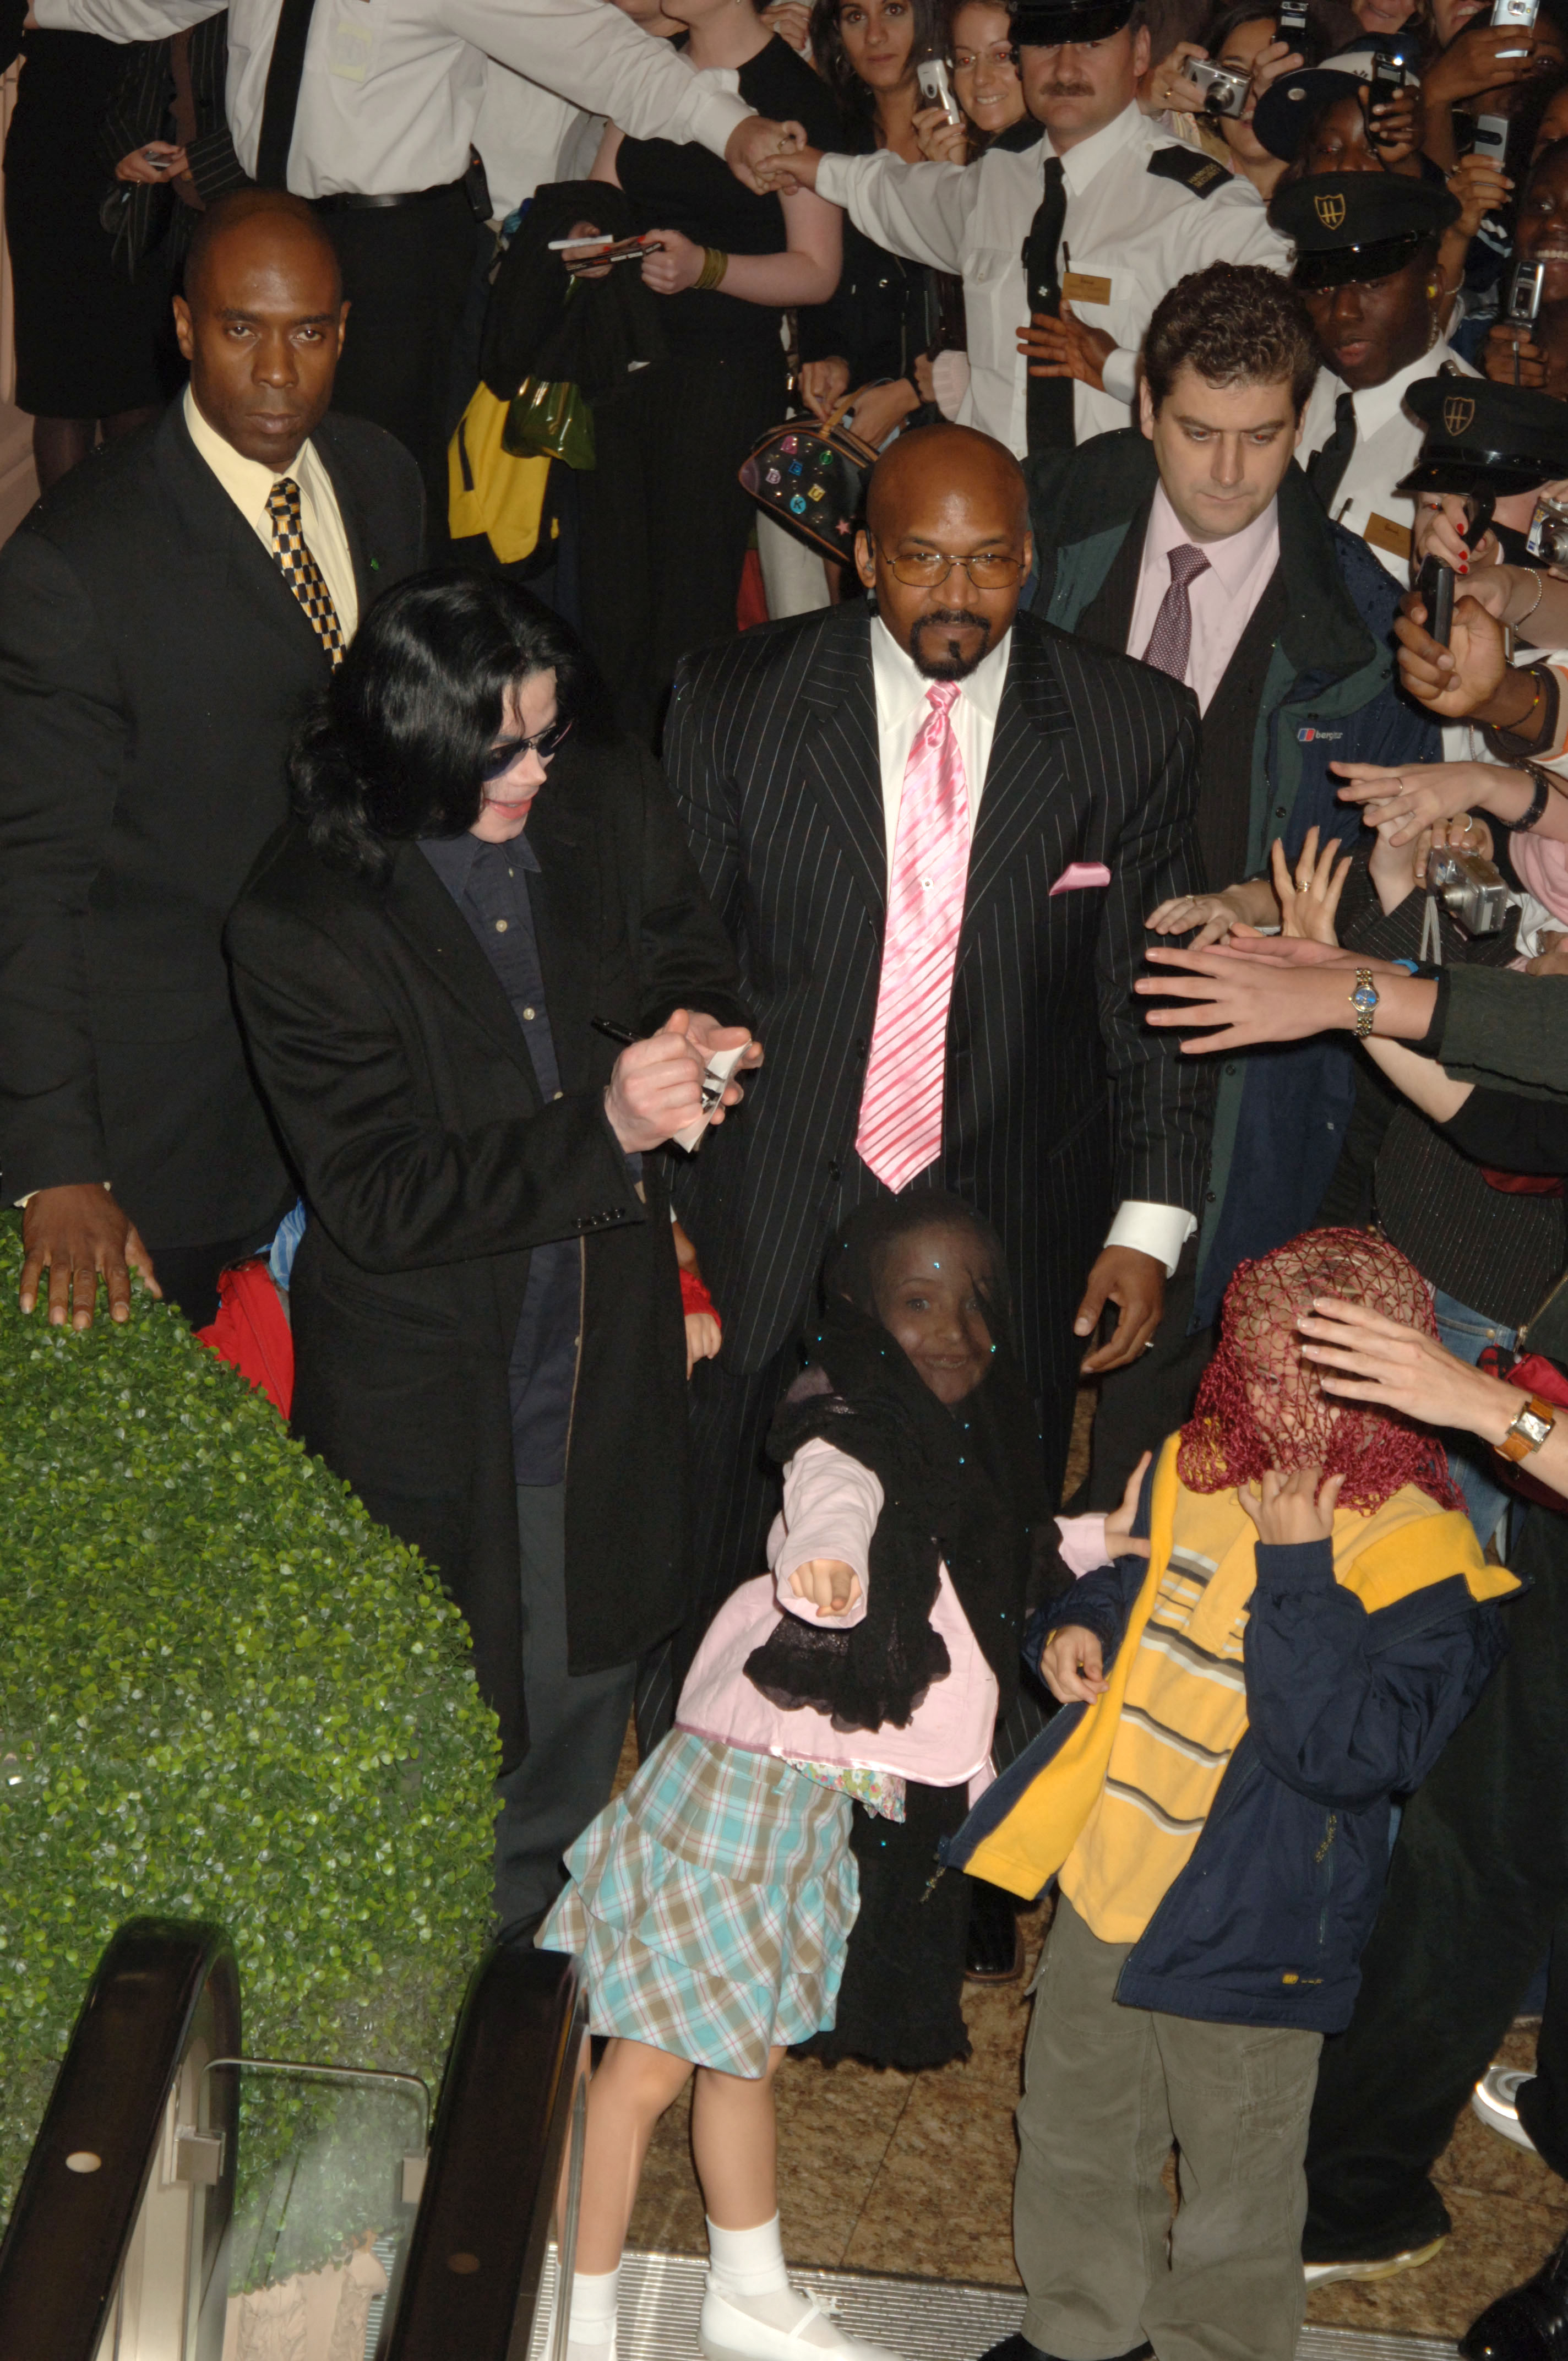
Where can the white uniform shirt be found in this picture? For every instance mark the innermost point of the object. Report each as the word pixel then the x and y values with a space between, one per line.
pixel 528 137
pixel 391 89
pixel 902 711
pixel 248 483
pixel 1388 437
pixel 1125 225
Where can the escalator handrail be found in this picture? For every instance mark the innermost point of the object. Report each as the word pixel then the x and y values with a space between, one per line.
pixel 475 2257
pixel 71 2224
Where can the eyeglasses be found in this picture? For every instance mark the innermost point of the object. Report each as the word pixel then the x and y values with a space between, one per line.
pixel 925 569
pixel 544 742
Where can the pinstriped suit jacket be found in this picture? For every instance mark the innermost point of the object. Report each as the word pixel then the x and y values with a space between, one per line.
pixel 1060 1103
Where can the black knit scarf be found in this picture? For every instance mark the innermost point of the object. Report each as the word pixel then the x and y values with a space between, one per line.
pixel 962 1485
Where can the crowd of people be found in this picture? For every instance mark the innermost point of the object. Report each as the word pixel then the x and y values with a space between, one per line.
pixel 714 1030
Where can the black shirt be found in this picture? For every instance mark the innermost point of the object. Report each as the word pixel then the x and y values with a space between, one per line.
pixel 676 186
pixel 489 884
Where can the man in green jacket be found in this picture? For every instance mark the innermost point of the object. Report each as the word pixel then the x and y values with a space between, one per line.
pixel 1197 546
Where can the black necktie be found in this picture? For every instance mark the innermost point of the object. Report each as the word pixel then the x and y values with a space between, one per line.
pixel 281 101
pixel 1329 464
pixel 1049 399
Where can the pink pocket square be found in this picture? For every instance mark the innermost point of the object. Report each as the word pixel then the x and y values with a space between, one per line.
pixel 1079 873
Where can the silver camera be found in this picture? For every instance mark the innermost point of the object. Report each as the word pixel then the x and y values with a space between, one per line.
pixel 1224 90
pixel 1549 531
pixel 1473 890
pixel 1521 13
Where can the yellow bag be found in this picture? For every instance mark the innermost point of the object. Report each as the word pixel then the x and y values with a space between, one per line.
pixel 488 490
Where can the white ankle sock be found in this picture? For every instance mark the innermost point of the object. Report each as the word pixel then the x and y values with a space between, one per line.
pixel 747 2262
pixel 747 2268
pixel 591 2331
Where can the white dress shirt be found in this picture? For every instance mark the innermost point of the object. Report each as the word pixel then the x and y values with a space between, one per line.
pixel 902 711
pixel 1388 438
pixel 248 483
pixel 393 89
pixel 1124 224
pixel 1222 598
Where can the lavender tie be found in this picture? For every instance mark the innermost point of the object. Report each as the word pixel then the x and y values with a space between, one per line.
pixel 1170 642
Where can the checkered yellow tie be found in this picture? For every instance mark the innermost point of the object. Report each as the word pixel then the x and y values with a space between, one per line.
pixel 299 569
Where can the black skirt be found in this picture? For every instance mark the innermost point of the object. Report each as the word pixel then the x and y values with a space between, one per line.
pixel 88 342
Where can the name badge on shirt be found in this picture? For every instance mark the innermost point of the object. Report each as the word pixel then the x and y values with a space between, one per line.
pixel 349 54
pixel 1384 533
pixel 1082 287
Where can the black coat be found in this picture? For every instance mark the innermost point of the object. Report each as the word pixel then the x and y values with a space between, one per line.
pixel 153 662
pixel 1060 1100
pixel 400 1080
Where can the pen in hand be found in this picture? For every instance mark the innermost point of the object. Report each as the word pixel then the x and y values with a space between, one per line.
pixel 612 1032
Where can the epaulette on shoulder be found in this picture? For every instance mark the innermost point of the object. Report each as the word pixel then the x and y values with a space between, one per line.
pixel 1190 167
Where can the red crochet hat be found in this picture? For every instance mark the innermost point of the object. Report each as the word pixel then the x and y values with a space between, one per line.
pixel 1261 1405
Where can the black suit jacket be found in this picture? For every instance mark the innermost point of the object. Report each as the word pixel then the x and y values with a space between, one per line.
pixel 153 663
pixel 1060 1100
pixel 401 1081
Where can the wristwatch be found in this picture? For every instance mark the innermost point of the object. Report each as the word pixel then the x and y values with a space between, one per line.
pixel 1529 1431
pixel 1364 1000
pixel 1543 784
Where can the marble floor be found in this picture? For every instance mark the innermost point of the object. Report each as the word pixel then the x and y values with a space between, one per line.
pixel 912 2173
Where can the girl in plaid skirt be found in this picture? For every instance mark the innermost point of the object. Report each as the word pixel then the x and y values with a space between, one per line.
pixel 712 1903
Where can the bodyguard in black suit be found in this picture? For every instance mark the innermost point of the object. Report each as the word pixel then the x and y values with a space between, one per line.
pixel 1058 1105
pixel 155 657
pixel 489 1338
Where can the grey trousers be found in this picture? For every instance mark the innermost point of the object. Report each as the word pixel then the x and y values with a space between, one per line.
pixel 576 1724
pixel 1107 2091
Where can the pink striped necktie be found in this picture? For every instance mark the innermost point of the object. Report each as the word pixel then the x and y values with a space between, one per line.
pixel 901 1111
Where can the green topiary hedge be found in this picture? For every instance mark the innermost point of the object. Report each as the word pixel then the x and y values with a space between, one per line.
pixel 224 1694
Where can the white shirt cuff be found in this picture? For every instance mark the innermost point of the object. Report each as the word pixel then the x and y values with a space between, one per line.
pixel 714 116
pixel 1120 372
pixel 1159 1230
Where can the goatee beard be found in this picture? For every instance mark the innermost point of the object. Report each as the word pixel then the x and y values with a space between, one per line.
pixel 948 661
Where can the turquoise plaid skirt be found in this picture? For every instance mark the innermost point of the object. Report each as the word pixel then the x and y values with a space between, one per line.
pixel 711 1905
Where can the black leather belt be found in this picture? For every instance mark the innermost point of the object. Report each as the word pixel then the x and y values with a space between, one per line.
pixel 351 201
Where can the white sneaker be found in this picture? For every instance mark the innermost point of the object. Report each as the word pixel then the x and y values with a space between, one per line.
pixel 1493 2100
pixel 728 2334
pixel 1387 2267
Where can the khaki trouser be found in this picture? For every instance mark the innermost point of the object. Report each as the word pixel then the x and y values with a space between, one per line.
pixel 1107 2090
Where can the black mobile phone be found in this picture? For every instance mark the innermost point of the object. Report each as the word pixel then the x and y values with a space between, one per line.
pixel 1434 584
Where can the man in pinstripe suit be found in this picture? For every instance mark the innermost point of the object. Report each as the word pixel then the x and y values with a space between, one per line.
pixel 1065 1121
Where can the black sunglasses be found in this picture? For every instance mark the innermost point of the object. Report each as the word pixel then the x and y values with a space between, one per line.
pixel 545 744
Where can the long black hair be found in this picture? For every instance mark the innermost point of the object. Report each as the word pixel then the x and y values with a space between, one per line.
pixel 396 746
pixel 856 100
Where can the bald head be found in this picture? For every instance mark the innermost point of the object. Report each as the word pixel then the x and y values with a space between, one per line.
pixel 251 221
pixel 953 465
pixel 940 494
pixel 261 322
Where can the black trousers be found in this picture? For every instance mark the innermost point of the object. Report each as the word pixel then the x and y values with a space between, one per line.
pixel 1143 1404
pixel 406 271
pixel 664 523
pixel 1477 1887
pixel 576 1724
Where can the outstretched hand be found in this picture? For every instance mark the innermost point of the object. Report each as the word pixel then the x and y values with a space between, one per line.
pixel 78 1234
pixel 830 1585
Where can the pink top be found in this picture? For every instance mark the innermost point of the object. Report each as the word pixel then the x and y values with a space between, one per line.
pixel 1222 598
pixel 830 1506
pixel 1541 864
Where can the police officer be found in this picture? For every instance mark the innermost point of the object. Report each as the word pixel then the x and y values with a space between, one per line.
pixel 1366 247
pixel 1077 235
